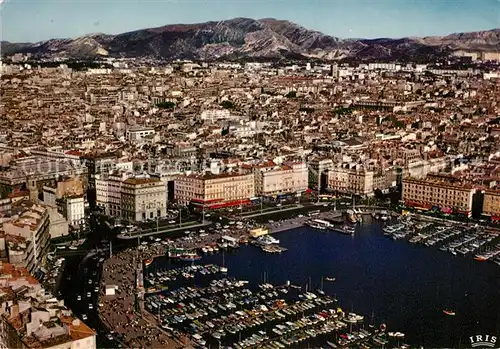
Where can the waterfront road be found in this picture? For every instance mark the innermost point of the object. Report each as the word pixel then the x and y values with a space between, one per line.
pixel 127 236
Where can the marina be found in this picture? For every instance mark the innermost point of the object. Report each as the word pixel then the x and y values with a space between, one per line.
pixel 456 239
pixel 214 309
pixel 335 256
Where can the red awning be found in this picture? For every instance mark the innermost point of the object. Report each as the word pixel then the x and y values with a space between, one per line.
pixel 229 204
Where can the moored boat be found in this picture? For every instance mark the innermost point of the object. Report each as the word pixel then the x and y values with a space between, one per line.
pixel 449 312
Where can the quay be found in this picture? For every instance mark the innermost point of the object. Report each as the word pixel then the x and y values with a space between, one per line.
pixel 152 232
pixel 297 222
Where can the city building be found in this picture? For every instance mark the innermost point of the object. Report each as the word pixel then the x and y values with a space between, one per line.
pixel 133 198
pixel 98 165
pixel 73 209
pixel 276 180
pixel 226 189
pixel 143 198
pixel 351 179
pixel 491 204
pixel 25 235
pixel 318 172
pixel 439 193
pixel 32 318
pixel 135 134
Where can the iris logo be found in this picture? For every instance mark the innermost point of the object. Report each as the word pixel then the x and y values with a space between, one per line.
pixel 479 341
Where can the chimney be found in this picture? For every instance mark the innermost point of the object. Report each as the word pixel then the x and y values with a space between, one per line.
pixel 14 310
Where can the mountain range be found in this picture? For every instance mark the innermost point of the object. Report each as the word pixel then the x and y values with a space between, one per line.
pixel 245 38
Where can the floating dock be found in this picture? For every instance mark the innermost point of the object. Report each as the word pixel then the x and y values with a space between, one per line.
pixel 273 249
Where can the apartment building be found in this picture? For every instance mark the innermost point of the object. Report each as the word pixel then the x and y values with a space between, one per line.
pixel 133 198
pixel 31 317
pixel 73 209
pixel 439 192
pixel 135 134
pixel 318 172
pixel 143 198
pixel 25 235
pixel 272 179
pixel 219 190
pixel 491 204
pixel 109 192
pixel 352 179
pixel 99 166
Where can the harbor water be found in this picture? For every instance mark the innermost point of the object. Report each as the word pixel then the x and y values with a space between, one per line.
pixel 402 285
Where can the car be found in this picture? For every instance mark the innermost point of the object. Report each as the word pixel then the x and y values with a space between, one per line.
pixel 96 290
pixel 91 306
pixel 78 298
pixel 73 248
pixel 90 282
pixel 89 294
pixel 171 222
pixel 84 317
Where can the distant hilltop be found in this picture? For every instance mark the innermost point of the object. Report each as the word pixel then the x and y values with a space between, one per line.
pixel 245 38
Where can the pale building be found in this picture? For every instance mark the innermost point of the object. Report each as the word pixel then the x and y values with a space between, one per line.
pixel 132 198
pixel 491 204
pixel 272 179
pixel 143 198
pixel 351 179
pixel 109 192
pixel 444 193
pixel 135 134
pixel 73 209
pixel 220 189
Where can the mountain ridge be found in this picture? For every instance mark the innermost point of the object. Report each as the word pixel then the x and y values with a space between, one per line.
pixel 246 38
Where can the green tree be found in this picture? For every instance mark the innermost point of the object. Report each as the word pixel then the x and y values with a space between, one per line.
pixel 166 105
pixel 227 105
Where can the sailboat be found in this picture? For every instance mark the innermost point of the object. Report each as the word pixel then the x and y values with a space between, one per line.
pixel 223 269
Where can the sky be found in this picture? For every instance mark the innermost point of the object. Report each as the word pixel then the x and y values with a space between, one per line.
pixel 37 20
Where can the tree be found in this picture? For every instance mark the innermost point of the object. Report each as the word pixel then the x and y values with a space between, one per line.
pixel 166 105
pixel 227 104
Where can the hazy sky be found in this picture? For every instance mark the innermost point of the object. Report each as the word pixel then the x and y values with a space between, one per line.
pixel 35 20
